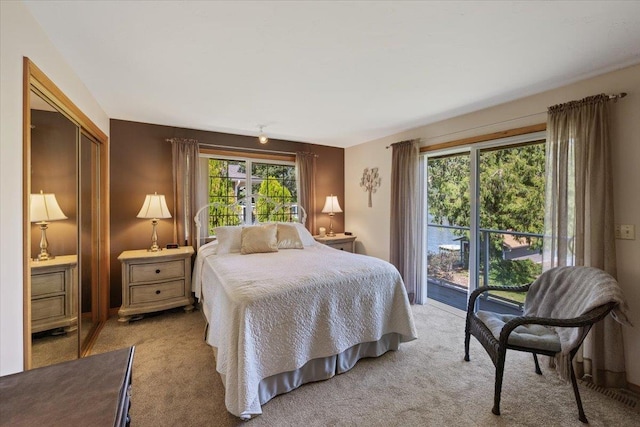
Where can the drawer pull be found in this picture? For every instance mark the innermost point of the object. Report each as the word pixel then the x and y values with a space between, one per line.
pixel 158 292
pixel 158 271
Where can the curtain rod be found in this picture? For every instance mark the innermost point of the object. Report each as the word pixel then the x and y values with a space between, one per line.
pixel 259 150
pixel 613 97
pixel 242 149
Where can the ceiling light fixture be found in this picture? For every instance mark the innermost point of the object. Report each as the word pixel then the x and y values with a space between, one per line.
pixel 262 137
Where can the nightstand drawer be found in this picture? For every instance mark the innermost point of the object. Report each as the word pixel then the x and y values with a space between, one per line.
pixel 346 246
pixel 156 271
pixel 46 308
pixel 43 284
pixel 141 294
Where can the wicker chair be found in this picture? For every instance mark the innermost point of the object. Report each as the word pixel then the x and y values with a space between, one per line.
pixel 537 338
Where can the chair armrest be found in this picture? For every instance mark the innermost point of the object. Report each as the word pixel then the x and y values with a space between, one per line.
pixel 479 291
pixel 587 319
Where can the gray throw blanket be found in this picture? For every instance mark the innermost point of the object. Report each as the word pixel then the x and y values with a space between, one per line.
pixel 569 292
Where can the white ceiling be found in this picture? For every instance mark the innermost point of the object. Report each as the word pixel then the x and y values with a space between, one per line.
pixel 332 73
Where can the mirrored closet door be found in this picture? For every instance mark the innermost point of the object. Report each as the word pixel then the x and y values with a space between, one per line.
pixel 66 226
pixel 53 216
pixel 89 225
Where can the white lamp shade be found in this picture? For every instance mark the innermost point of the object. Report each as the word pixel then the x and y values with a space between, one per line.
pixel 154 207
pixel 331 205
pixel 44 207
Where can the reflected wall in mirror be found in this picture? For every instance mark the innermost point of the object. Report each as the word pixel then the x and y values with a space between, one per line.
pixel 66 225
pixel 54 235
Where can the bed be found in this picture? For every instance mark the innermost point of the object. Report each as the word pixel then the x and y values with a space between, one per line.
pixel 304 312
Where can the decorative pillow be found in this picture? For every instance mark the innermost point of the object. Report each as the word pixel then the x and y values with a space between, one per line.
pixel 259 239
pixel 305 236
pixel 229 238
pixel 288 237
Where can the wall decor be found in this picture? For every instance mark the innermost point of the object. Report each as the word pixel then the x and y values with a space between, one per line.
pixel 370 181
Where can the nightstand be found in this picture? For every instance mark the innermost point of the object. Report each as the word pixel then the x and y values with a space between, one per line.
pixel 54 299
pixel 339 241
pixel 154 281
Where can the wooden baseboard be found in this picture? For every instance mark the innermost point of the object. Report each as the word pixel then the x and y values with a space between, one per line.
pixel 113 311
pixel 633 387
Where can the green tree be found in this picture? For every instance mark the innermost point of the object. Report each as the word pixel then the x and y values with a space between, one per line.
pixel 511 198
pixel 448 190
pixel 277 193
pixel 284 174
pixel 221 192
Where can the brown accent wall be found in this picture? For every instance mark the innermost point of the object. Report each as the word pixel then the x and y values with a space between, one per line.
pixel 141 164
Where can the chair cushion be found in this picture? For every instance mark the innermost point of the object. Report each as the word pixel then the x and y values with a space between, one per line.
pixel 530 336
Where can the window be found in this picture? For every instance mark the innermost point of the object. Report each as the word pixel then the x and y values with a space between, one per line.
pixel 278 183
pixel 231 180
pixel 485 219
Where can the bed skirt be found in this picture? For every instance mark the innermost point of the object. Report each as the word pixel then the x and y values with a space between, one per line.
pixel 322 369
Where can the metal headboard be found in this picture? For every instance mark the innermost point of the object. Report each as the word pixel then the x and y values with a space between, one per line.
pixel 281 211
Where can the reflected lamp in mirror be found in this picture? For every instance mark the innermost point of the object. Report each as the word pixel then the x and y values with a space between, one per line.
pixel 331 207
pixel 154 208
pixel 44 208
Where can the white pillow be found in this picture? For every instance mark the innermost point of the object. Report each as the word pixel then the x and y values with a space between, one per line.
pixel 305 236
pixel 229 238
pixel 259 239
pixel 288 237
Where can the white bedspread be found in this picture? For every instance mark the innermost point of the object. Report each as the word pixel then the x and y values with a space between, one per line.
pixel 272 313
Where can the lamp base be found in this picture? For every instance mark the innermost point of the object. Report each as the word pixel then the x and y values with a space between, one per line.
pixel 46 256
pixel 154 237
pixel 331 233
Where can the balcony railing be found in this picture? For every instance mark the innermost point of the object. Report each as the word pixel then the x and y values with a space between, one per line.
pixel 506 258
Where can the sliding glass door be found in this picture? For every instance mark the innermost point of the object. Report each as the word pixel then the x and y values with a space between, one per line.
pixel 485 219
pixel 448 227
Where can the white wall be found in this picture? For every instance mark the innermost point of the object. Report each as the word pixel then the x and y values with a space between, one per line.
pixel 21 35
pixel 371 225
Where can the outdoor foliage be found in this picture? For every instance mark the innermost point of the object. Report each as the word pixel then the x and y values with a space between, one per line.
pixel 442 264
pixel 511 199
pixel 222 192
pixel 271 188
pixel 514 273
pixel 274 181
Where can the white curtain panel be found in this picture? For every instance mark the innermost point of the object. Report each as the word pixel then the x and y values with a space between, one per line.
pixel 406 239
pixel 579 222
pixel 185 195
pixel 306 174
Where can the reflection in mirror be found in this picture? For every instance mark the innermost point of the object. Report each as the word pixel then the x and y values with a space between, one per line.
pixel 89 235
pixel 54 235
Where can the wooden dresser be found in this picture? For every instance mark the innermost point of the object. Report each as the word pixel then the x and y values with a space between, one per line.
pixel 92 391
pixel 54 294
pixel 339 241
pixel 154 281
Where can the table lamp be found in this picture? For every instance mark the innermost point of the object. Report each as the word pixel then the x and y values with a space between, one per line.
pixel 331 207
pixel 44 208
pixel 154 208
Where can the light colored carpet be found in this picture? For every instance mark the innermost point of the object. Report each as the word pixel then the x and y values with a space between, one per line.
pixel 425 383
pixel 48 348
pixel 56 346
